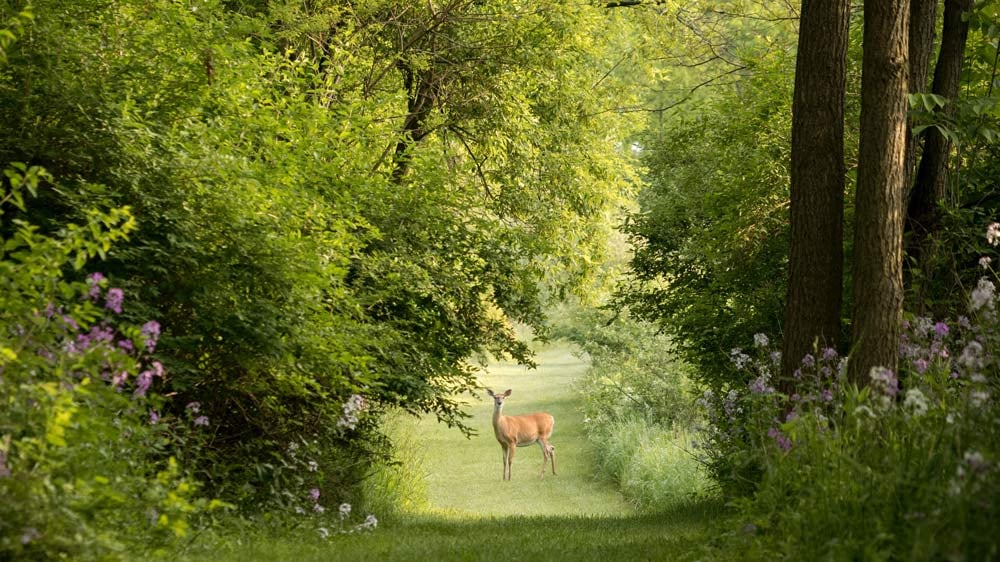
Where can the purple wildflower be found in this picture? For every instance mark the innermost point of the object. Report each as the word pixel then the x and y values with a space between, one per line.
pixel 193 407
pixel 829 354
pixel 759 386
pixel 314 494
pixel 126 345
pixel 921 365
pixel 151 330
pixel 70 322
pixel 153 416
pixel 782 440
pixel 885 380
pixel 808 360
pixel 143 382
pixel 94 282
pixel 113 300
pixel 119 379
pixel 941 329
pixel 201 420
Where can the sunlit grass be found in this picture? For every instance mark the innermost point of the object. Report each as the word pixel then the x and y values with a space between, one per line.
pixel 456 506
pixel 464 476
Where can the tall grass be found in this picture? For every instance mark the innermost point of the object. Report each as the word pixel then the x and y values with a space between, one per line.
pixel 397 486
pixel 651 465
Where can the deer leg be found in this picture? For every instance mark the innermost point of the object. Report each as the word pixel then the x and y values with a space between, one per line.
pixel 503 462
pixel 510 460
pixel 545 454
pixel 552 457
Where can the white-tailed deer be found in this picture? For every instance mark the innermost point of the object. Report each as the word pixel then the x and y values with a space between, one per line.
pixel 520 431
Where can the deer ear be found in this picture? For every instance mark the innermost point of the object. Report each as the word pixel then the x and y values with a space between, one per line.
pixel 507 393
pixel 490 392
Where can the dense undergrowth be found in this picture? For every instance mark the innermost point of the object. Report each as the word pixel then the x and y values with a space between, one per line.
pixel 638 401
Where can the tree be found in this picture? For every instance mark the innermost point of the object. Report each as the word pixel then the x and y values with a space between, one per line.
pixel 817 181
pixel 923 215
pixel 878 232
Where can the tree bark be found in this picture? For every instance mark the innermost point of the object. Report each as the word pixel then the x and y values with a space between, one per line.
pixel 923 17
pixel 878 232
pixel 923 213
pixel 816 261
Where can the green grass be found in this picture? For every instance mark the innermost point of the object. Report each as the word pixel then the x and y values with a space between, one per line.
pixel 468 513
pixel 676 535
pixel 464 476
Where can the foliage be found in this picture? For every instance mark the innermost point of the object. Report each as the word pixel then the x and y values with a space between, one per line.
pixel 637 403
pixel 905 467
pixel 973 128
pixel 634 372
pixel 85 470
pixel 711 234
pixel 331 200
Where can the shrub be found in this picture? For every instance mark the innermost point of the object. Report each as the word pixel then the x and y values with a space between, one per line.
pixel 85 465
pixel 905 467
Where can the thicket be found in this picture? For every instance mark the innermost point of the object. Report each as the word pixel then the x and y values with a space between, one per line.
pixel 903 467
pixel 637 398
pixel 332 207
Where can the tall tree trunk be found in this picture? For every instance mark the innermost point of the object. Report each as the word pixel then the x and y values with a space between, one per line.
pixel 923 214
pixel 923 17
pixel 878 230
pixel 816 258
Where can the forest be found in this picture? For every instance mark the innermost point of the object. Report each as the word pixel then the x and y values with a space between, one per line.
pixel 268 266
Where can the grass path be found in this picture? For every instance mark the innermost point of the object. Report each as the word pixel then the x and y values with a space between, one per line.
pixel 464 476
pixel 473 515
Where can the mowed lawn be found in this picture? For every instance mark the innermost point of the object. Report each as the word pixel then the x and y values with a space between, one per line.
pixel 464 476
pixel 473 515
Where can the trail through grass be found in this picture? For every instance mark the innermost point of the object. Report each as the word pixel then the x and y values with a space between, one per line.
pixel 464 476
pixel 471 514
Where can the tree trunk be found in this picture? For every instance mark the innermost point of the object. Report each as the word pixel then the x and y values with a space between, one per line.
pixel 816 259
pixel 878 231
pixel 923 17
pixel 923 215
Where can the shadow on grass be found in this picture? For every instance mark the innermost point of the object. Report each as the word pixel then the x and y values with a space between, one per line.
pixel 679 533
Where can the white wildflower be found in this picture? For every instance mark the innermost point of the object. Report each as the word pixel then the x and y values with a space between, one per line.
pixel 984 295
pixel 345 510
pixel 760 340
pixel 993 234
pixel 324 533
pixel 979 397
pixel 984 262
pixel 972 356
pixel 739 358
pixel 915 401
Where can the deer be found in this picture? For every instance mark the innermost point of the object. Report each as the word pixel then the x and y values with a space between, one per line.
pixel 520 431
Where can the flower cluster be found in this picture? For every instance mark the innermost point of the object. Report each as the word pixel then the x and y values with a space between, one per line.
pixel 352 408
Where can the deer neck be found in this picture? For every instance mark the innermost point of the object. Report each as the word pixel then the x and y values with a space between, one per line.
pixel 499 420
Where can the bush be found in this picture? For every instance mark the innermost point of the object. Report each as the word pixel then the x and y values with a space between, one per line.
pixel 633 372
pixel 637 404
pixel 85 465
pixel 903 468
